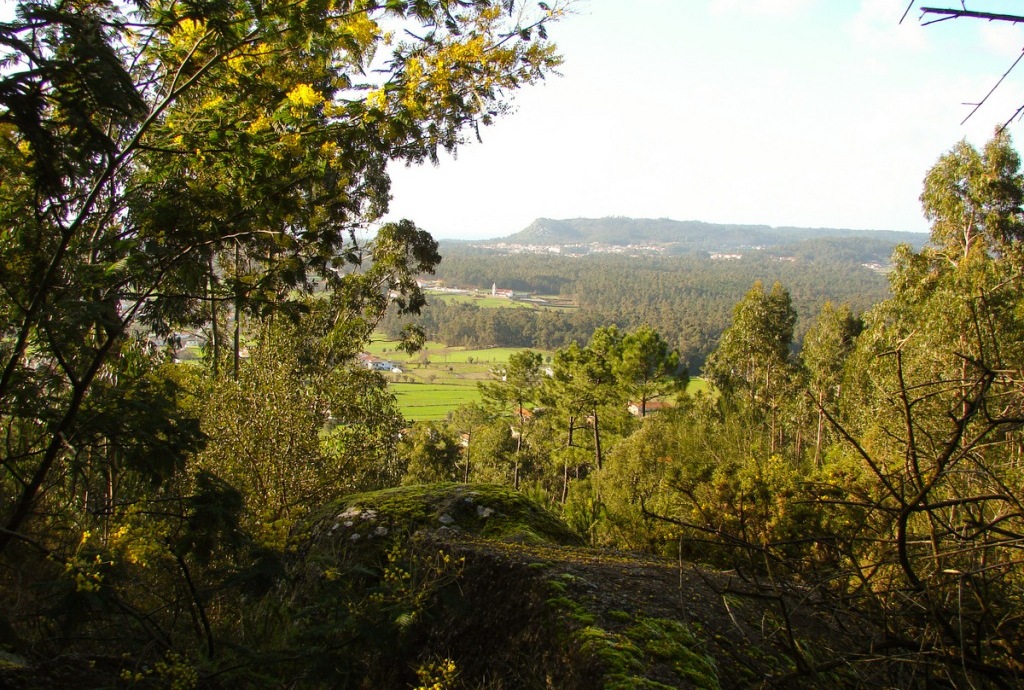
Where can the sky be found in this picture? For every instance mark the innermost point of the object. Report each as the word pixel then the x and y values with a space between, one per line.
pixel 806 113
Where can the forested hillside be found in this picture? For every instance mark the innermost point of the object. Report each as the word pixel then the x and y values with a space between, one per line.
pixel 687 299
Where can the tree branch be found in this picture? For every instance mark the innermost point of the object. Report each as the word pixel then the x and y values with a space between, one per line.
pixel 947 13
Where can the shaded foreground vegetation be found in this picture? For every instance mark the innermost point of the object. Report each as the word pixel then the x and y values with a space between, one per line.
pixel 474 586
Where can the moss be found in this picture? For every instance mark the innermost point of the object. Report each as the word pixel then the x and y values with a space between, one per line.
pixel 574 610
pixel 674 643
pixel 623 660
pixel 627 657
pixel 619 656
pixel 483 510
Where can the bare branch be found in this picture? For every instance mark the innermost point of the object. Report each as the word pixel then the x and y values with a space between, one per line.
pixel 947 13
pixel 907 11
pixel 993 89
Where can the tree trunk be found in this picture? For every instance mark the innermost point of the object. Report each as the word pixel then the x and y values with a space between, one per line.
pixel 238 311
pixel 821 426
pixel 214 328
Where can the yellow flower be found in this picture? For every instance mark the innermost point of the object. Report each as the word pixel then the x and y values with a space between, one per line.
pixel 363 29
pixel 304 96
pixel 187 33
pixel 260 124
pixel 377 99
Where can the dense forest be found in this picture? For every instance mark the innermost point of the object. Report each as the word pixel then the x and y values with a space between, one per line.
pixel 847 515
pixel 688 300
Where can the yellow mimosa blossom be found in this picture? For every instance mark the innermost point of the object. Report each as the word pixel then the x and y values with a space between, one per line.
pixel 363 29
pixel 187 33
pixel 377 99
pixel 260 124
pixel 304 96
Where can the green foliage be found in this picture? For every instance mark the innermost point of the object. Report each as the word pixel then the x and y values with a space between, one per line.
pixel 930 413
pixel 826 348
pixel 206 168
pixel 752 363
pixel 973 199
pixel 172 168
pixel 647 368
pixel 142 156
pixel 289 435
pixel 516 384
pixel 754 351
pixel 433 455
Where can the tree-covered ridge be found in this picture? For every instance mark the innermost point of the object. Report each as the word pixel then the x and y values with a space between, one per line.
pixel 688 236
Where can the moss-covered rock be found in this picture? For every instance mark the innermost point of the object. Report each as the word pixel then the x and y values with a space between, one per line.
pixel 482 510
pixel 482 578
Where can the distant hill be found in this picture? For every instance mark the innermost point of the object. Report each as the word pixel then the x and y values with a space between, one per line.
pixel 689 235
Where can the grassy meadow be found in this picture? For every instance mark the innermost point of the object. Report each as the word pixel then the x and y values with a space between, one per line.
pixel 438 379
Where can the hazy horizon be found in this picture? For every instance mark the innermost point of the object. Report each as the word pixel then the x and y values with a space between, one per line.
pixel 802 113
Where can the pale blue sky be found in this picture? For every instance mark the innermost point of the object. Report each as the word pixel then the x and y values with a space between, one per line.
pixel 783 112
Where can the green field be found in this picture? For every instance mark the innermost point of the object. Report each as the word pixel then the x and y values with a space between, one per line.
pixel 435 356
pixel 480 301
pixel 484 300
pixel 432 401
pixel 696 385
pixel 438 379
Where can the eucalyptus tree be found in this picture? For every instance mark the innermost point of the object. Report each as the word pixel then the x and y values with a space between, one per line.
pixel 826 348
pixel 752 364
pixel 973 199
pixel 932 410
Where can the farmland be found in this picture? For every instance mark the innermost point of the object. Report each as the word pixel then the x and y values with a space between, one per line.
pixel 484 300
pixel 438 378
pixel 480 301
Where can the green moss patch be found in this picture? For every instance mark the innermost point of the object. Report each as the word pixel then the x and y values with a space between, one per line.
pixel 650 653
pixel 481 510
